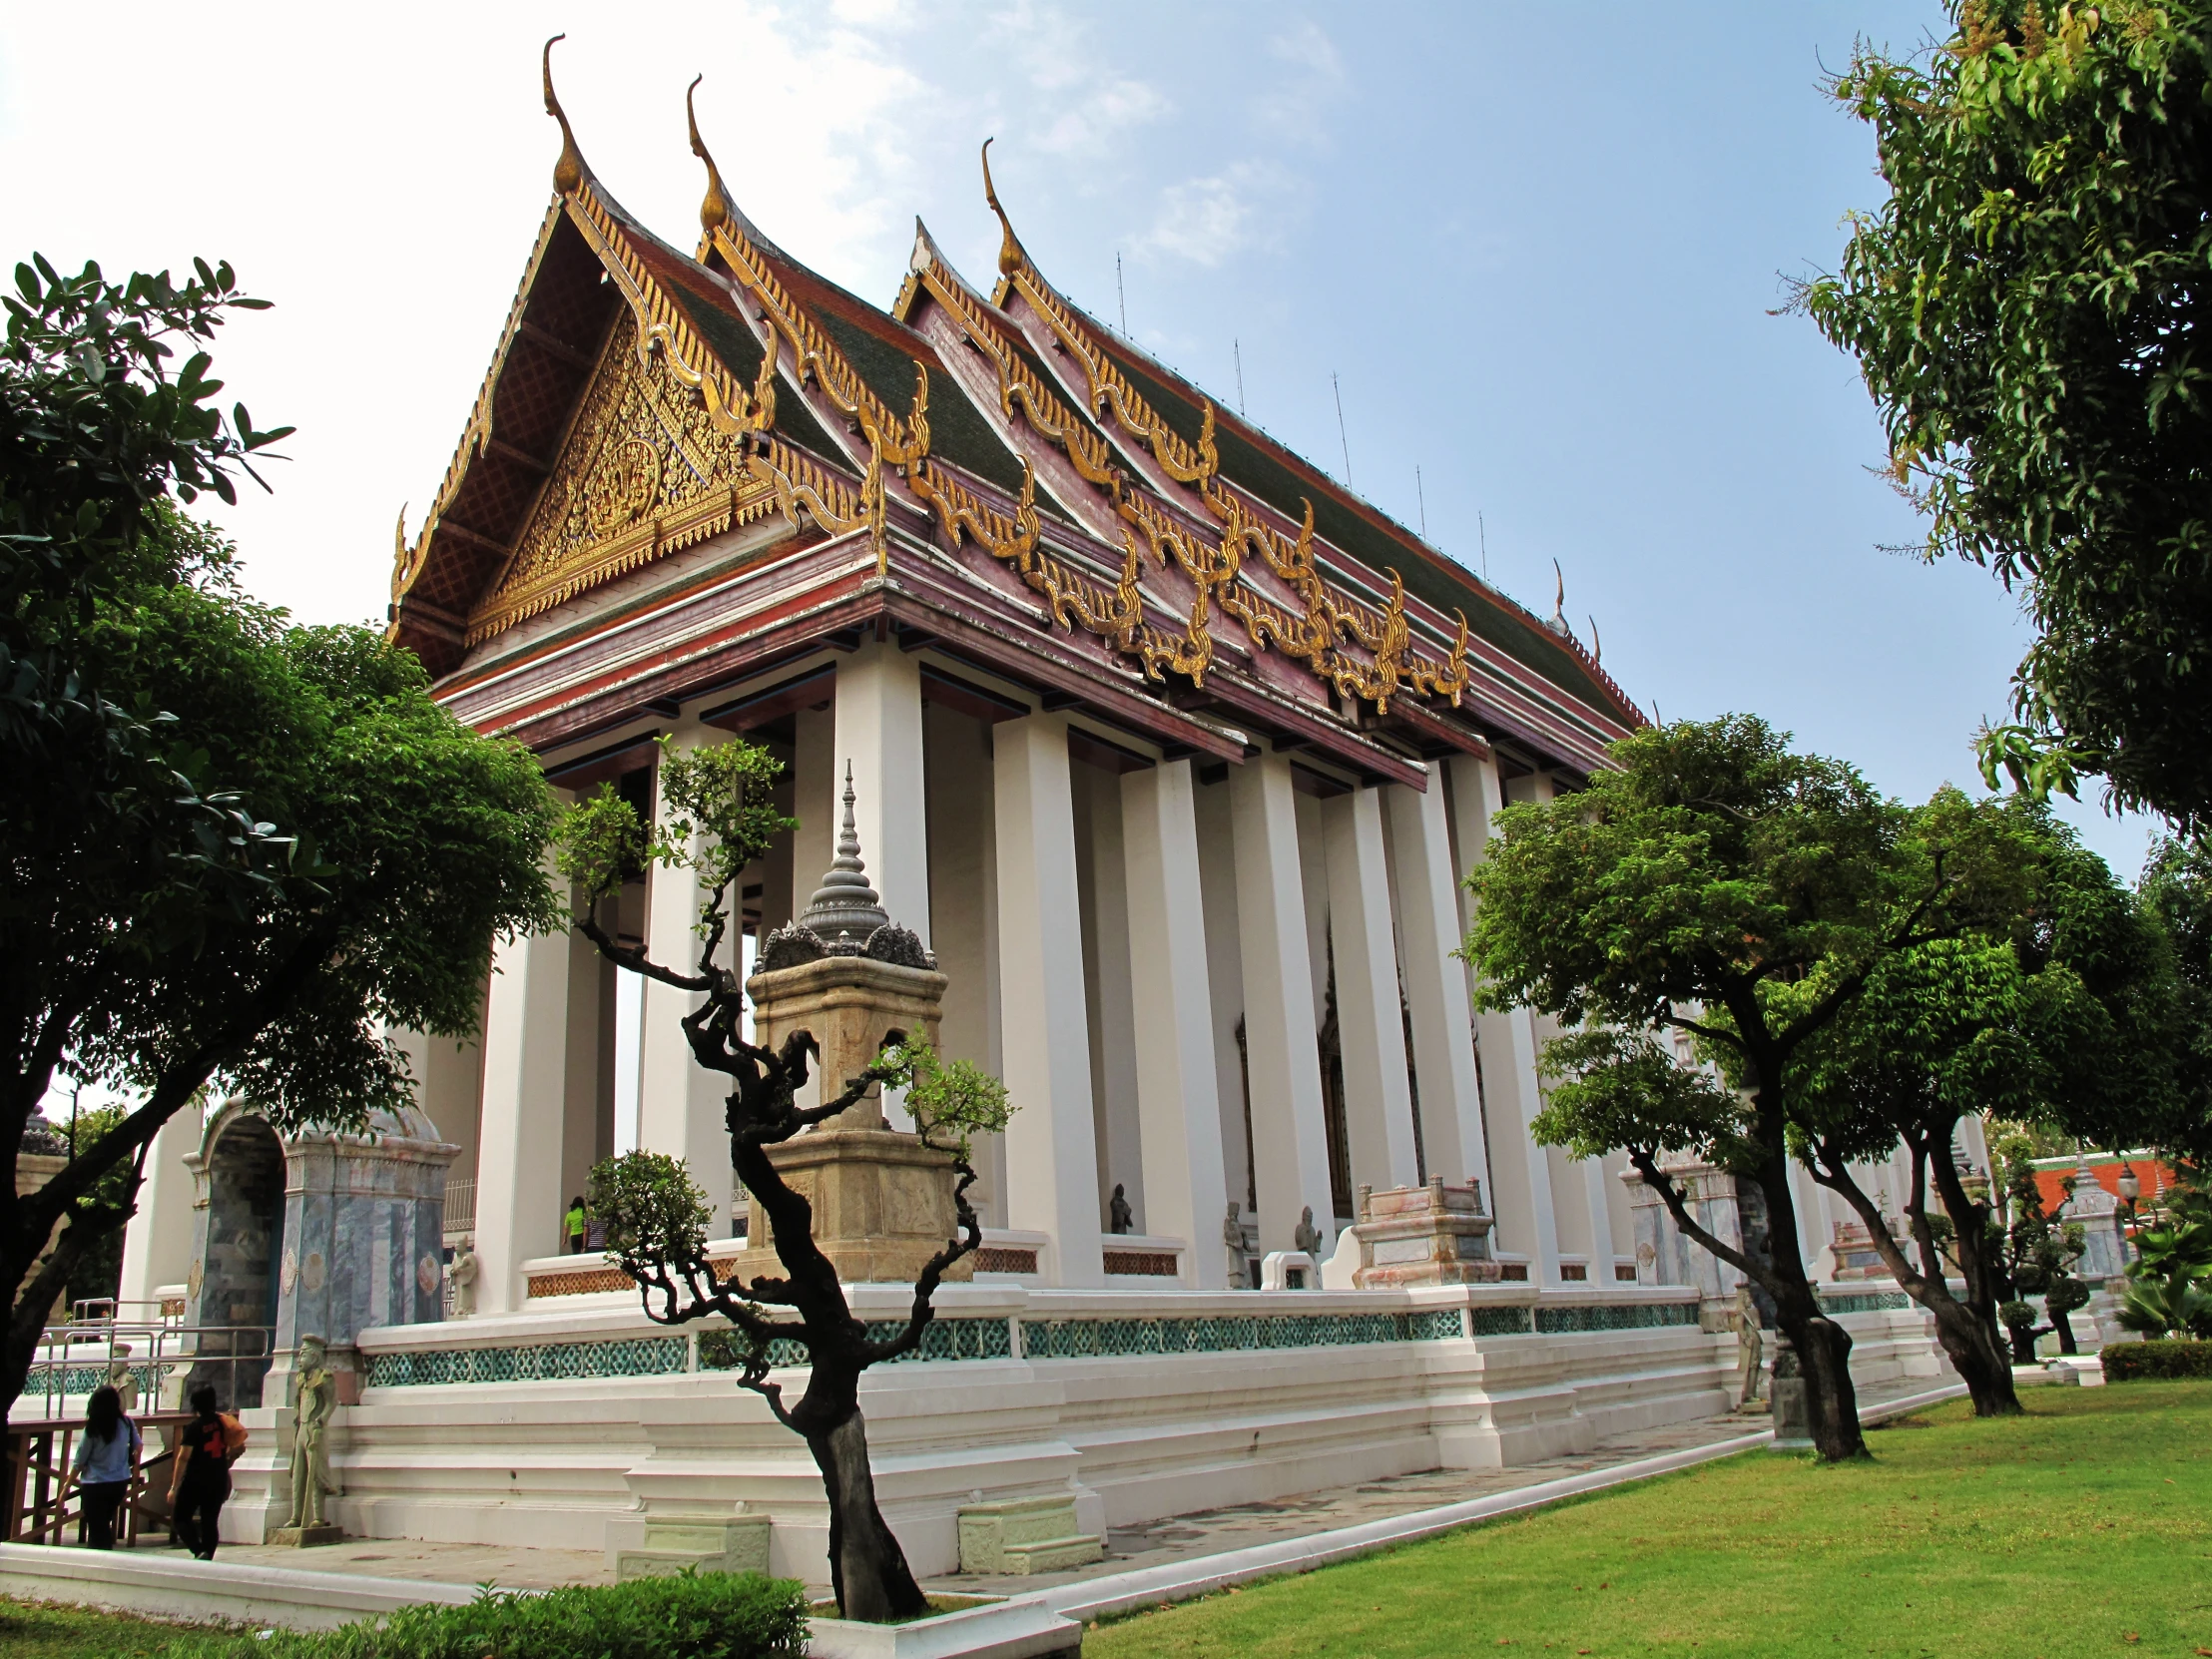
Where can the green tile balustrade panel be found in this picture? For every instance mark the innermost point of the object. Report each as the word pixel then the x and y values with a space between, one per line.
pixel 534 1363
pixel 1634 1316
pixel 1868 1302
pixel 83 1379
pixel 1115 1339
pixel 954 1340
pixel 1501 1321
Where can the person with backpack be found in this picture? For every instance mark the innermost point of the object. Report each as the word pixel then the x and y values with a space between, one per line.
pixel 107 1456
pixel 202 1480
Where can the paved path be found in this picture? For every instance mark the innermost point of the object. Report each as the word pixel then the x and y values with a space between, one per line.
pixel 1128 1548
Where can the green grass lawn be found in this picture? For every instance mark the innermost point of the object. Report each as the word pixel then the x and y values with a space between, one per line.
pixel 47 1630
pixel 2084 1528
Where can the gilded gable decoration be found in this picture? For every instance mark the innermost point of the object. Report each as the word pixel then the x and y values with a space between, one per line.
pixel 644 471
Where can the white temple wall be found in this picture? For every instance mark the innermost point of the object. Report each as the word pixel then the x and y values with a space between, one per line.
pixel 1379 1104
pixel 1051 1152
pixel 1437 990
pixel 962 909
pixel 156 1244
pixel 680 1104
pixel 1290 1153
pixel 1217 871
pixel 1185 1183
pixel 1102 880
pixel 879 730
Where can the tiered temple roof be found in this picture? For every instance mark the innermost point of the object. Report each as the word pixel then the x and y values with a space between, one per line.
pixel 1001 479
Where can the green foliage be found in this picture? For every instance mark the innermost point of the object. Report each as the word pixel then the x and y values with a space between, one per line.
pixel 718 816
pixel 2169 1284
pixel 951 1104
pixel 1610 1088
pixel 686 1616
pixel 2141 1361
pixel 2025 308
pixel 220 834
pixel 654 1211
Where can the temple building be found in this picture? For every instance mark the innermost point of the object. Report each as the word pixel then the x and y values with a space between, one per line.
pixel 1171 753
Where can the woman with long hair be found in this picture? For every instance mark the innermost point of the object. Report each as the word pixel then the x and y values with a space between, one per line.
pixel 202 1480
pixel 107 1454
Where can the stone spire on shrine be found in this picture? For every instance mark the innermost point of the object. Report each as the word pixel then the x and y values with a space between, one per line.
pixel 845 907
pixel 846 917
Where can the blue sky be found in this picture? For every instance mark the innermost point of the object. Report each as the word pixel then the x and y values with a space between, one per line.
pixel 1537 248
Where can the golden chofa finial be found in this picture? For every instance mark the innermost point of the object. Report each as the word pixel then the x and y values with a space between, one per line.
pixel 714 211
pixel 1010 257
pixel 568 171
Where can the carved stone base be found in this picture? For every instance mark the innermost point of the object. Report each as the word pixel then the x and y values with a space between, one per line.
pixel 308 1537
pixel 1027 1535
pixel 882 1205
pixel 1432 1234
pixel 704 1543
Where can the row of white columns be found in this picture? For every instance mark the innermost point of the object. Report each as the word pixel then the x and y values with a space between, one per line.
pixel 1390 884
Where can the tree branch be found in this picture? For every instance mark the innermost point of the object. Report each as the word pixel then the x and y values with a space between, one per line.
pixel 1647 1166
pixel 1833 1172
pixel 635 959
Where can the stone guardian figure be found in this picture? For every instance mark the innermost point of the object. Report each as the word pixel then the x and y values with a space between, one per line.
pixel 1751 1348
pixel 1233 1239
pixel 1119 1215
pixel 1305 1236
pixel 311 1481
pixel 463 1276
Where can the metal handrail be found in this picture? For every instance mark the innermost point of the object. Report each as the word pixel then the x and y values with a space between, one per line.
pixel 158 1350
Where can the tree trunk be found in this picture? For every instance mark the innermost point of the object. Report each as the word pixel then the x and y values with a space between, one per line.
pixel 1976 1356
pixel 2064 1326
pixel 867 1569
pixel 1824 1360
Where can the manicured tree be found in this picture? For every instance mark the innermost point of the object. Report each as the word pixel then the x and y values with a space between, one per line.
pixel 2025 307
pixel 221 838
pixel 2058 1012
pixel 1714 883
pixel 657 1216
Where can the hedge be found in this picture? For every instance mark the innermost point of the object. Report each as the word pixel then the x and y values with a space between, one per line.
pixel 2132 1362
pixel 716 1616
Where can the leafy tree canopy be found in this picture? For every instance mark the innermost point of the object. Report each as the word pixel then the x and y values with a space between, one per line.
pixel 2025 309
pixel 232 850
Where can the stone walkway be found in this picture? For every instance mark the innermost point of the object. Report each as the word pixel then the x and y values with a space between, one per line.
pixel 1128 1548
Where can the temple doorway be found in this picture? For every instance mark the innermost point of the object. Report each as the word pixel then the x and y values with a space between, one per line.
pixel 241 1283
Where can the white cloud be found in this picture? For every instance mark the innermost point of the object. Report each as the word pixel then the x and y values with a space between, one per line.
pixel 1292 105
pixel 1206 220
pixel 1085 102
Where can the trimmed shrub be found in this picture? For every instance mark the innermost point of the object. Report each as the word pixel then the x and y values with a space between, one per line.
pixel 2132 1362
pixel 715 1615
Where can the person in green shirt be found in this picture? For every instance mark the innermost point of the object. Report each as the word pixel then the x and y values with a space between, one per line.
pixel 573 1225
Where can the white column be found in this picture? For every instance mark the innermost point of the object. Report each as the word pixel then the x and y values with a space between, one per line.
pixel 878 731
pixel 1437 984
pixel 1594 1179
pixel 1051 1158
pixel 518 1162
pixel 1290 1139
pixel 1519 1164
pixel 1379 1101
pixel 1178 1094
pixel 156 1241
pixel 681 1108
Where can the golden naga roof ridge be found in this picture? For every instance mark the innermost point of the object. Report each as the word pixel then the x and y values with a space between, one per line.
pixel 569 171
pixel 1328 619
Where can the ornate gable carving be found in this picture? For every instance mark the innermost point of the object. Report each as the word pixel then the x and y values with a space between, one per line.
pixel 644 471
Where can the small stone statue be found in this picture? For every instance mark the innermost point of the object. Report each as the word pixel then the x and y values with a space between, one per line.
pixel 464 1274
pixel 1119 1215
pixel 123 1379
pixel 1305 1236
pixel 311 1459
pixel 1751 1348
pixel 1232 1234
